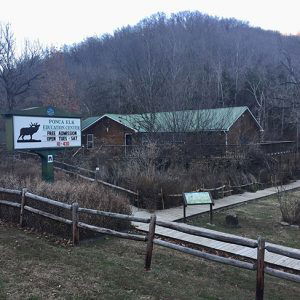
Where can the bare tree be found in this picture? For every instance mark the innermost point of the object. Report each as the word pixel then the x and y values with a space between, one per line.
pixel 291 84
pixel 58 88
pixel 17 72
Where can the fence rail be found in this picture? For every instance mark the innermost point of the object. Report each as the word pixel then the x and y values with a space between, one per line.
pixel 114 215
pixel 48 201
pixel 66 168
pixel 258 265
pixel 8 203
pixel 196 150
pixel 213 257
pixel 89 175
pixel 215 235
pixel 223 189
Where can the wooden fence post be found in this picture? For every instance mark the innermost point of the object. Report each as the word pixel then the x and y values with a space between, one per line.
pixel 260 269
pixel 211 213
pixel 23 200
pixel 162 198
pixel 75 229
pixel 150 239
pixel 137 198
pixel 97 173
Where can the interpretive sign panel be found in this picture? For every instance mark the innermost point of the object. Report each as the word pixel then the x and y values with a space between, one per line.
pixel 32 132
pixel 197 198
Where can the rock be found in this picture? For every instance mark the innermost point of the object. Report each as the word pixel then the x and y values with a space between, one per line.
pixel 232 219
pixel 284 223
pixel 295 226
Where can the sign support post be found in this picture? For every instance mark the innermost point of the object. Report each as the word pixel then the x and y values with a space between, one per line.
pixel 47 158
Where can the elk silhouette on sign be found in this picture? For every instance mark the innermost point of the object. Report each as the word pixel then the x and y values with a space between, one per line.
pixel 34 127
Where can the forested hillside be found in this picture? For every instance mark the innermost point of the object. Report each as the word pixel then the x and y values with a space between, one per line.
pixel 186 61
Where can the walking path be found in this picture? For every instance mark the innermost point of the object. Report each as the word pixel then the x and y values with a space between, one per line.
pixel 175 214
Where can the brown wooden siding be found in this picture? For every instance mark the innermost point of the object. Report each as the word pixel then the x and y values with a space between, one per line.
pixel 244 131
pixel 107 132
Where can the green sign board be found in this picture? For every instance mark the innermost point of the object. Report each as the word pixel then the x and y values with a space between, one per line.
pixel 197 198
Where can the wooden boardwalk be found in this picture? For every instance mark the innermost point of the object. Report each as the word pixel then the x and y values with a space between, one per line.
pixel 175 214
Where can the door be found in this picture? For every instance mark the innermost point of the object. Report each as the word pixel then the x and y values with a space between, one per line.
pixel 90 141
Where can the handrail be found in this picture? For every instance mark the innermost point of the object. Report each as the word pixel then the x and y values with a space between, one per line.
pixel 92 179
pixel 75 167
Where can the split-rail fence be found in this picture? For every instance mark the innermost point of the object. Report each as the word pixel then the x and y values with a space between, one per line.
pixel 150 239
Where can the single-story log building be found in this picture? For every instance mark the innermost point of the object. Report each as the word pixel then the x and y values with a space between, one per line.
pixel 219 126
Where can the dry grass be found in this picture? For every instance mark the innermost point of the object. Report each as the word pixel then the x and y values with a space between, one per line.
pixel 19 174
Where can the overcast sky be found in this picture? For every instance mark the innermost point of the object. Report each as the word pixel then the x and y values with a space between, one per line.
pixel 58 22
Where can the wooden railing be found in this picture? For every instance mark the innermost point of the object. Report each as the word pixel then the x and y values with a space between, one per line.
pixel 84 173
pixel 218 192
pixel 89 175
pixel 258 265
pixel 196 150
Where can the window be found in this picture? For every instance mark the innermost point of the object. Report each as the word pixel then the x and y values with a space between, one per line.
pixel 128 139
pixel 90 141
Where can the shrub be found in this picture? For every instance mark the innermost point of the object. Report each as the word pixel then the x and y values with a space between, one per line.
pixel 64 189
pixel 290 207
pixel 145 172
pixel 151 172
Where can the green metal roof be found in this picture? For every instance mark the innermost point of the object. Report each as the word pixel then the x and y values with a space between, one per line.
pixel 86 123
pixel 218 119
